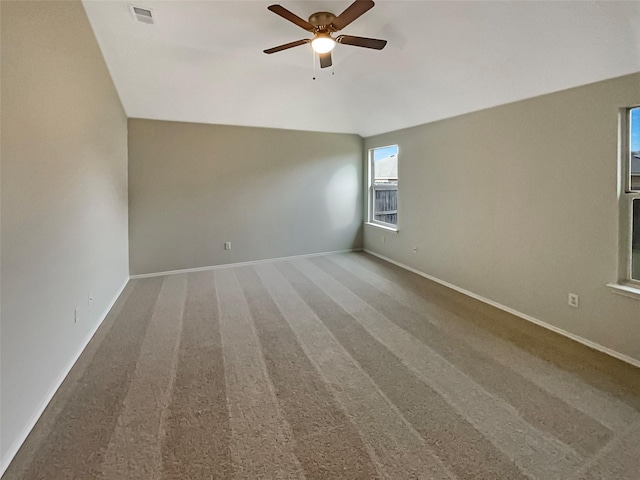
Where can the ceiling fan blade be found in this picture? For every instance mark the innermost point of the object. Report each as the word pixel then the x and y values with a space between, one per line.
pixel 352 12
pixel 279 48
pixel 362 42
pixel 292 17
pixel 325 60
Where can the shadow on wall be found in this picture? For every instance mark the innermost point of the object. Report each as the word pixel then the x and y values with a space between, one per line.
pixel 341 197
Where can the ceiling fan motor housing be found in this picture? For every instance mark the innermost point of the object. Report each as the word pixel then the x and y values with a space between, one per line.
pixel 321 20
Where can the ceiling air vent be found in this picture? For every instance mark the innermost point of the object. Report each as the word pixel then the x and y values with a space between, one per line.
pixel 144 15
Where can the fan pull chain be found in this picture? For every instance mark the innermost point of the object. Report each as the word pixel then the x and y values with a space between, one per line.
pixel 313 61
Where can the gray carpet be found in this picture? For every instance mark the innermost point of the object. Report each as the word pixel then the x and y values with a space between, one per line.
pixel 335 367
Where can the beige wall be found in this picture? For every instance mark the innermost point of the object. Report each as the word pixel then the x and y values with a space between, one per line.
pixel 272 193
pixel 64 201
pixel 518 204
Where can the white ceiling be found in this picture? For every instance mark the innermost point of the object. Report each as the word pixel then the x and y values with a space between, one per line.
pixel 202 61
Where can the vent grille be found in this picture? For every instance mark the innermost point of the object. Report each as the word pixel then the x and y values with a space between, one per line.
pixel 144 15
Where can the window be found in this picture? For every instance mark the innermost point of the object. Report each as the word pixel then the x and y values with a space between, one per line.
pixel 630 201
pixel 635 241
pixel 383 186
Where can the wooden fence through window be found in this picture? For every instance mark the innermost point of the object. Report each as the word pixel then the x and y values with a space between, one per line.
pixel 385 207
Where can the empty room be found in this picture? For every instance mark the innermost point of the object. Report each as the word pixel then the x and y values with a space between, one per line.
pixel 320 239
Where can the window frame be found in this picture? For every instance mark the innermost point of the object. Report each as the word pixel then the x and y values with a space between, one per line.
pixel 371 192
pixel 627 197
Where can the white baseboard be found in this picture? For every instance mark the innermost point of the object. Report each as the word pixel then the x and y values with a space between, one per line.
pixel 13 450
pixel 252 262
pixel 572 336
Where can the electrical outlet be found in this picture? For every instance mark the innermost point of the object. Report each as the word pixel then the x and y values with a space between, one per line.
pixel 76 315
pixel 227 245
pixel 415 249
pixel 89 299
pixel 573 300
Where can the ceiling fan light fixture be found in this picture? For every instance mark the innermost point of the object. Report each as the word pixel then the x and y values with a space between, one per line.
pixel 323 43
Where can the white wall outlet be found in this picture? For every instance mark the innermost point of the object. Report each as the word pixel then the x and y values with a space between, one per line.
pixel 382 239
pixel 227 245
pixel 76 315
pixel 415 249
pixel 573 300
pixel 89 299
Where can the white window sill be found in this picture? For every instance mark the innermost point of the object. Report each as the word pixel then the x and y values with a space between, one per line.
pixel 626 290
pixel 384 227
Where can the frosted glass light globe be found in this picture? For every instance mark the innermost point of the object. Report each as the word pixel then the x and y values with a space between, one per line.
pixel 323 44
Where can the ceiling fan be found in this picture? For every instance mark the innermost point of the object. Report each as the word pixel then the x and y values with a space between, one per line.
pixel 323 25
